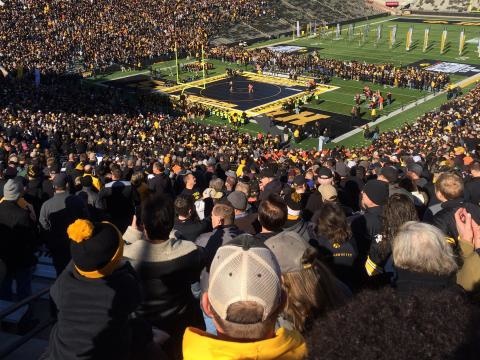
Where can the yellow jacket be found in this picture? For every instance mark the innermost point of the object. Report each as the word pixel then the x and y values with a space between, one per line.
pixel 240 170
pixel 95 181
pixel 286 345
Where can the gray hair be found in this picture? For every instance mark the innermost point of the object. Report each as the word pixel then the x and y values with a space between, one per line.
pixel 421 247
pixel 217 184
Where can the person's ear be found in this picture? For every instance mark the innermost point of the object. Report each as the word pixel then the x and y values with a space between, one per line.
pixel 207 309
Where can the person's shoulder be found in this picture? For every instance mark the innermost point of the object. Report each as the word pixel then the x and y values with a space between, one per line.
pixel 203 239
pixel 12 209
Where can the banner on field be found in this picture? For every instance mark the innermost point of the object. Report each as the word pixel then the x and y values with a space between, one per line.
pixel 425 39
pixel 393 36
pixel 408 43
pixel 443 41
pixel 287 49
pixel 366 32
pixel 379 32
pixel 461 44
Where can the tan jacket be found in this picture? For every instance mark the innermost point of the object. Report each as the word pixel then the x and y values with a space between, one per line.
pixel 468 276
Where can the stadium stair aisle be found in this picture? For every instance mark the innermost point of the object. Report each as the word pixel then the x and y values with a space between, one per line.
pixel 13 325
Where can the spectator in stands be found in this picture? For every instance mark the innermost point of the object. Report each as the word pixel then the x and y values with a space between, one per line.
pixel 398 210
pixel 472 187
pixel 367 227
pixel 18 243
pixel 95 296
pixel 244 319
pixel 449 190
pixel 186 223
pixel 310 288
pixel 56 215
pixel 335 243
pixel 117 197
pixel 390 175
pixel 272 215
pixel 37 190
pixel 88 172
pixel 141 190
pixel 268 183
pixel 224 230
pixel 415 172
pixel 422 258
pixel 167 267
pixel 190 189
pixel 364 329
pixel 91 199
pixel 247 222
pixel 160 183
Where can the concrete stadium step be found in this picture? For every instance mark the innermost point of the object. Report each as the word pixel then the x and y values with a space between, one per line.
pixel 32 349
pixel 16 316
pixel 45 271
pixel 44 268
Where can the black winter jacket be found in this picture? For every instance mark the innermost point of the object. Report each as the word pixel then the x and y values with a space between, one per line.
pixel 445 218
pixel 18 238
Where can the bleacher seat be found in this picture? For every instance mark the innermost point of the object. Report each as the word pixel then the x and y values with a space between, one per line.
pixel 446 6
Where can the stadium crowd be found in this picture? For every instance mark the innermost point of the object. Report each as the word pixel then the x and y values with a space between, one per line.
pixel 336 223
pixel 172 239
pixel 296 64
pixel 51 35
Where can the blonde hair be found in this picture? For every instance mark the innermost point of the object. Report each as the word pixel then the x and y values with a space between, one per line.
pixel 244 188
pixel 422 247
pixel 224 212
pixel 450 186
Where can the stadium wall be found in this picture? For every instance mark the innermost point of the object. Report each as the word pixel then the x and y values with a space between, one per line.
pixel 444 13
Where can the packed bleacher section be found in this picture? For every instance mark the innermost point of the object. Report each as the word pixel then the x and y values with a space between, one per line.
pixel 173 239
pixel 288 12
pixel 51 35
pixel 442 6
pixel 54 36
pixel 221 183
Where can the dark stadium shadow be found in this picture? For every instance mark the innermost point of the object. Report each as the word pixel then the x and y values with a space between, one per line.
pixel 447 48
pixel 430 46
pixel 71 94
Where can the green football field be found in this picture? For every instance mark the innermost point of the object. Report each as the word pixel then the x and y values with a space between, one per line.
pixel 373 51
pixel 366 46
